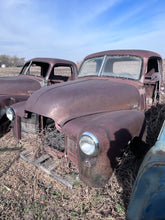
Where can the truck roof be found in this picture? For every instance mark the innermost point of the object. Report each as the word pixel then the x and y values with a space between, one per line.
pixel 51 60
pixel 140 53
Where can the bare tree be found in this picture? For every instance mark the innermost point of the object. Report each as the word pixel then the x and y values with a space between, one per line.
pixel 10 61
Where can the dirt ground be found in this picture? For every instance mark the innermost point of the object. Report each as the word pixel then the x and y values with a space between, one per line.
pixel 28 193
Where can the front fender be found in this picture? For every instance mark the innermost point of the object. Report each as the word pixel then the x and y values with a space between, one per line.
pixel 8 100
pixel 113 130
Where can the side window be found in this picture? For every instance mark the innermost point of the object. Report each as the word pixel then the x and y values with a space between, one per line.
pixel 34 70
pixel 61 73
pixel 151 82
pixel 152 67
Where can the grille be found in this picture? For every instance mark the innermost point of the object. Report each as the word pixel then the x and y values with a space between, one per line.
pixel 54 138
pixel 29 125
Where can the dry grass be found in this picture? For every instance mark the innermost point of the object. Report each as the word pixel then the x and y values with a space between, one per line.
pixel 28 193
pixel 10 71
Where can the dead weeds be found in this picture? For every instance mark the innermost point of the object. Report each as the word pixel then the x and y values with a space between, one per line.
pixel 28 193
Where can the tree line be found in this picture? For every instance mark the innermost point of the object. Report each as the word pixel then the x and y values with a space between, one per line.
pixel 10 61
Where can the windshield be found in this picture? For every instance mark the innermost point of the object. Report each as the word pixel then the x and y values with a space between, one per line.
pixel 91 67
pixel 114 66
pixel 35 69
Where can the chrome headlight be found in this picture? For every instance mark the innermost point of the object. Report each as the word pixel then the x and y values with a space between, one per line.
pixel 89 144
pixel 10 114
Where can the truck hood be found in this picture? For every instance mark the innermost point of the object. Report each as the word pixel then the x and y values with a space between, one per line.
pixel 18 85
pixel 81 97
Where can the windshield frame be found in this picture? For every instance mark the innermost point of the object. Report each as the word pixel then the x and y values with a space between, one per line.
pixel 29 64
pixel 105 57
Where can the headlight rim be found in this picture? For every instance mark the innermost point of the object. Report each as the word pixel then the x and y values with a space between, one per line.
pixel 96 142
pixel 11 111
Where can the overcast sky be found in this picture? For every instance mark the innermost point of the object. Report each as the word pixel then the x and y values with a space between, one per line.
pixel 72 29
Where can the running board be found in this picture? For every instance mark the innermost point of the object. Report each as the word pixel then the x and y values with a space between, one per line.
pixel 47 164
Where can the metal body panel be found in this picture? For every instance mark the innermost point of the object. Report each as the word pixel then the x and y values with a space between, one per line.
pixel 113 130
pixel 6 100
pixel 111 109
pixel 19 85
pixel 140 53
pixel 19 109
pixel 148 196
pixel 73 99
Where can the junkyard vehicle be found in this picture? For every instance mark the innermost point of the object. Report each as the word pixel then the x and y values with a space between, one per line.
pixel 148 196
pixel 36 73
pixel 95 116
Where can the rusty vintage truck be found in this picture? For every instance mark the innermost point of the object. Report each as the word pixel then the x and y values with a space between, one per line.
pixel 95 116
pixel 36 73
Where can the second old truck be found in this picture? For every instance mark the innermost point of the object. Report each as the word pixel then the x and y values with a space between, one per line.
pixel 95 116
pixel 36 73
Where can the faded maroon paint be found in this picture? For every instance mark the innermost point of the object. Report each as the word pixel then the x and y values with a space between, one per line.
pixel 53 62
pixel 144 54
pixel 139 53
pixel 19 88
pixel 19 85
pixel 73 99
pixel 113 130
pixel 112 109
pixel 16 89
